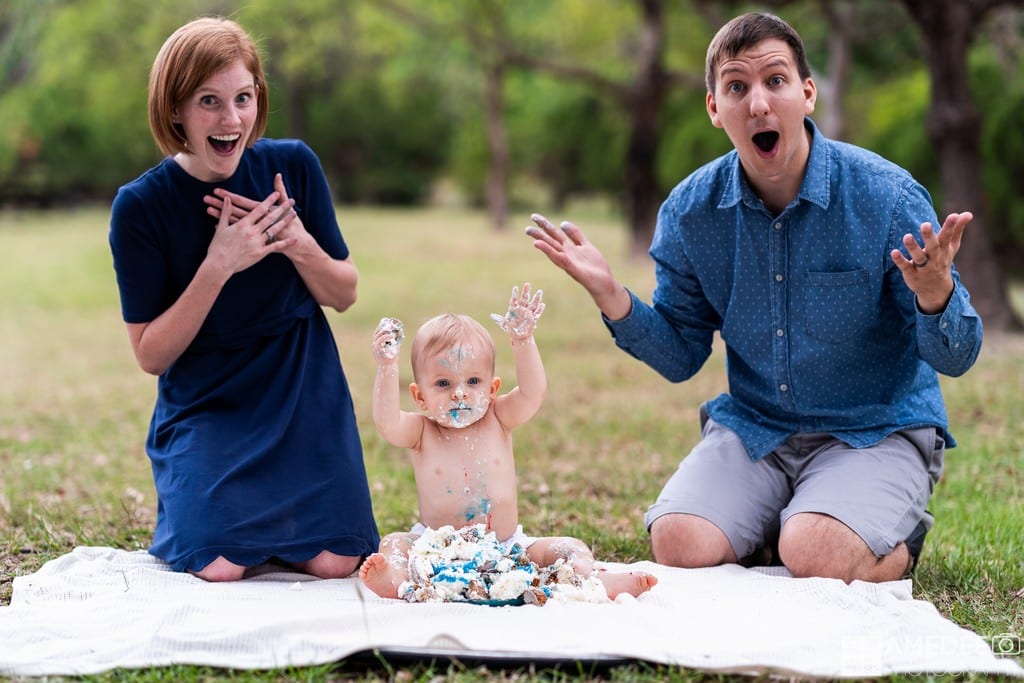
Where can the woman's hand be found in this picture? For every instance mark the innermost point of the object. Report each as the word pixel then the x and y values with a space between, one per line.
pixel 251 237
pixel 287 230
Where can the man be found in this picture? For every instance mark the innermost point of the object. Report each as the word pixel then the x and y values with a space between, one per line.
pixel 818 264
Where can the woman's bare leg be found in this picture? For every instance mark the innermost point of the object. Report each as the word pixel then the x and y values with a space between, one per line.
pixel 220 570
pixel 327 565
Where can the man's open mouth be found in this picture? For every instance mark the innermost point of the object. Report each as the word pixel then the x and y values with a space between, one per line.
pixel 766 141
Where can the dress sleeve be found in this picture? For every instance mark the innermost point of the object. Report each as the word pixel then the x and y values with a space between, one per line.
pixel 316 205
pixel 139 264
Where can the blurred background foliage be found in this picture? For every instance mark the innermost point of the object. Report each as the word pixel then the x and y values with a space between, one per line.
pixel 392 95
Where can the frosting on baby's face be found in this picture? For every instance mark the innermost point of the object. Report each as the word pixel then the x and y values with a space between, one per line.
pixel 457 385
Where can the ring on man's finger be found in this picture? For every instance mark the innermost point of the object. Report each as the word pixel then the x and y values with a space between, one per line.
pixel 922 264
pixel 270 238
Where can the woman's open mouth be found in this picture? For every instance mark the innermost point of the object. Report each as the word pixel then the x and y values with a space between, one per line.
pixel 224 144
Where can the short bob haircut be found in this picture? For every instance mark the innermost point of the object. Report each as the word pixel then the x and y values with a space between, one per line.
pixel 446 331
pixel 746 31
pixel 189 57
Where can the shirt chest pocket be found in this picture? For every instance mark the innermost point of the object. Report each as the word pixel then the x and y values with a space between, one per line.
pixel 837 305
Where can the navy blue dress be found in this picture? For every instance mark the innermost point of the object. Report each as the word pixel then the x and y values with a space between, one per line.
pixel 253 440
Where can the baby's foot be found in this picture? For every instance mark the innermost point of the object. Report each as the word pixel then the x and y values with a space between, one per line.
pixel 634 583
pixel 380 577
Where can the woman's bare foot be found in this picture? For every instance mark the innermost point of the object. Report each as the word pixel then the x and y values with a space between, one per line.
pixel 380 576
pixel 634 583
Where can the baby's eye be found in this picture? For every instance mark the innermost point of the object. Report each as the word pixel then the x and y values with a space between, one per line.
pixel 473 381
pixel 442 383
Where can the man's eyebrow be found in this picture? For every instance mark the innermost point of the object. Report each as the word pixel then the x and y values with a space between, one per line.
pixel 771 65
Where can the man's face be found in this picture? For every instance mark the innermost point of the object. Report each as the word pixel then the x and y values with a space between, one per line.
pixel 760 100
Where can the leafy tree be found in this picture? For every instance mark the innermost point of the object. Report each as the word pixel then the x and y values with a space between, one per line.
pixel 954 126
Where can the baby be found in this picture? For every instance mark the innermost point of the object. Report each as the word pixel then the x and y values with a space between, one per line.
pixel 461 443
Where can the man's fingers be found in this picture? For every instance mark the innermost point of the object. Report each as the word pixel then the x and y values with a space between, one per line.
pixel 573 233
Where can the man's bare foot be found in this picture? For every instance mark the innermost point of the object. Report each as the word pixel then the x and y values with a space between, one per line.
pixel 381 577
pixel 634 583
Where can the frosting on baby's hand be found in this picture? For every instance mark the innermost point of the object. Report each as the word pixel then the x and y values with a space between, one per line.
pixel 520 320
pixel 387 339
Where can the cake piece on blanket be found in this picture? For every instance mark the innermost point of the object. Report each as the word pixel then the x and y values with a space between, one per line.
pixel 470 565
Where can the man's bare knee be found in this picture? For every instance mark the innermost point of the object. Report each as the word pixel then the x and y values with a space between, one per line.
pixel 816 545
pixel 680 540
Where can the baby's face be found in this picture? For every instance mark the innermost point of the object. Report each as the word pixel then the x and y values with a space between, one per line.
pixel 457 385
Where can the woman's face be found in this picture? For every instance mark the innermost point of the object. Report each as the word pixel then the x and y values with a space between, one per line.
pixel 218 119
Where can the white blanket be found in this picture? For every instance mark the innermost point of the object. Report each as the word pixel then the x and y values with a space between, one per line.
pixel 96 609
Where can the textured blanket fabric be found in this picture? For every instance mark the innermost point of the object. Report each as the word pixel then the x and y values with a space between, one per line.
pixel 97 609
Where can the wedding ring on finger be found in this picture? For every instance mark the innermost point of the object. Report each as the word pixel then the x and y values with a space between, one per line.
pixel 922 264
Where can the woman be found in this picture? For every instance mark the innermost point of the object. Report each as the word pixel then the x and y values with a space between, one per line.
pixel 224 253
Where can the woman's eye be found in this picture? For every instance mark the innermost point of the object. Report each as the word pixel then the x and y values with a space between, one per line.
pixel 207 100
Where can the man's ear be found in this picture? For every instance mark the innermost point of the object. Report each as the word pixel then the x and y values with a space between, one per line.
pixel 810 95
pixel 417 395
pixel 712 106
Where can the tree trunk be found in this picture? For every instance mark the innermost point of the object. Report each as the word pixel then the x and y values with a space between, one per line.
pixel 841 18
pixel 954 127
pixel 497 142
pixel 645 101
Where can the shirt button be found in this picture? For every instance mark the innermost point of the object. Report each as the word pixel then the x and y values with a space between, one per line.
pixel 778 277
pixel 783 387
pixel 778 226
pixel 779 333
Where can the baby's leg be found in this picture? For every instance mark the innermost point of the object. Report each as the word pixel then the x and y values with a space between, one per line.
pixel 545 551
pixel 384 571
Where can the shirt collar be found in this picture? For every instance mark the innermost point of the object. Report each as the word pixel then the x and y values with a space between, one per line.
pixel 815 187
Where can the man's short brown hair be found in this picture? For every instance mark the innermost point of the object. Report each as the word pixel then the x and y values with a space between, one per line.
pixel 746 31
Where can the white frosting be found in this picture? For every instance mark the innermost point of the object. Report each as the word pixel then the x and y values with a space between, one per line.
pixel 470 565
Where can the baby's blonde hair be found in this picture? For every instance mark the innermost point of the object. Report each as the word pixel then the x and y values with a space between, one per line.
pixel 445 331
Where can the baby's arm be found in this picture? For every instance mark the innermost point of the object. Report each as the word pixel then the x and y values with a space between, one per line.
pixel 523 402
pixel 398 427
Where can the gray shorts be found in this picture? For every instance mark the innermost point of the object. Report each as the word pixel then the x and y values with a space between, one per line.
pixel 880 492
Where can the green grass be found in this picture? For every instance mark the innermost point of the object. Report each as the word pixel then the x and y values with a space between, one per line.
pixel 74 409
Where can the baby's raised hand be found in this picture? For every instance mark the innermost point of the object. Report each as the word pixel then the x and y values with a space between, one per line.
pixel 520 320
pixel 387 340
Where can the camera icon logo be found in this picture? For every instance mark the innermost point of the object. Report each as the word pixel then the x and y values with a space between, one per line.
pixel 1006 645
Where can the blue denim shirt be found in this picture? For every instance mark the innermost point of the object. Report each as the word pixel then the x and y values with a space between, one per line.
pixel 821 332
